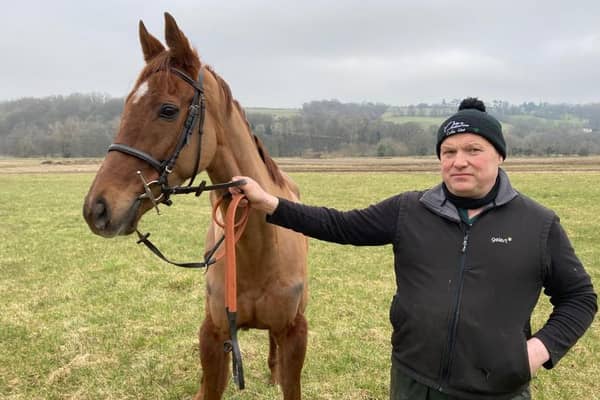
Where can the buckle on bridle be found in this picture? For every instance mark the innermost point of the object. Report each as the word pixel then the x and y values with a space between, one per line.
pixel 148 192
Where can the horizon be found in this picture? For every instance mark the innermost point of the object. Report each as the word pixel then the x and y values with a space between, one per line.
pixel 448 103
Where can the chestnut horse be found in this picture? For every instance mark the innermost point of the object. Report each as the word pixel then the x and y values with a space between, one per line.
pixel 271 261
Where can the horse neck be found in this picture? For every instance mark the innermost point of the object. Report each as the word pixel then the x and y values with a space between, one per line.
pixel 236 153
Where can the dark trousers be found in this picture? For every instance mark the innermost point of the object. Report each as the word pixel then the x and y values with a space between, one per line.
pixel 403 387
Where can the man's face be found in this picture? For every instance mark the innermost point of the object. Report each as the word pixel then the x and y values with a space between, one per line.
pixel 469 165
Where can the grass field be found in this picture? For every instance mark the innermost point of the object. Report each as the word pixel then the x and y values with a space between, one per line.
pixel 88 318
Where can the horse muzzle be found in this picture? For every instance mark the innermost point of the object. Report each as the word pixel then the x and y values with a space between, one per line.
pixel 108 221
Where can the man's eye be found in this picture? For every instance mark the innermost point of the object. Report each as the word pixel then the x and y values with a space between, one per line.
pixel 168 111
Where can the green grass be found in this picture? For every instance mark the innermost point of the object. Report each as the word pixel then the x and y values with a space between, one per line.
pixel 87 318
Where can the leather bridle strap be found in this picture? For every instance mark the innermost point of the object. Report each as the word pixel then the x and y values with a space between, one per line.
pixel 196 108
pixel 195 114
pixel 143 239
pixel 200 132
pixel 137 153
pixel 209 257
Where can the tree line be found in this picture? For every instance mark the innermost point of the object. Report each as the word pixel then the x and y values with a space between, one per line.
pixel 83 125
pixel 66 126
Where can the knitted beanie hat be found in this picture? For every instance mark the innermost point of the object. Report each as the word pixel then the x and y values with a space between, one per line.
pixel 472 118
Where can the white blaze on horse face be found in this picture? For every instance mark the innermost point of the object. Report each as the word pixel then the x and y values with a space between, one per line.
pixel 140 92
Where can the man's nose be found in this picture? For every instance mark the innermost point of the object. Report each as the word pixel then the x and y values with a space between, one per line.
pixel 461 159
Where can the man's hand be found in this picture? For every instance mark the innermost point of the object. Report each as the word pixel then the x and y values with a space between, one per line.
pixel 538 354
pixel 257 196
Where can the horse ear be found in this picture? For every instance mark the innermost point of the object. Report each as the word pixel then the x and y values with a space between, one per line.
pixel 178 43
pixel 151 46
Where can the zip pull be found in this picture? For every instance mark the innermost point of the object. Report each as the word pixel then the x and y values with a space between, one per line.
pixel 465 241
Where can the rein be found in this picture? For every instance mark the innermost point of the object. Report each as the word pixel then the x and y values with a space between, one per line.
pixel 196 116
pixel 208 256
pixel 231 284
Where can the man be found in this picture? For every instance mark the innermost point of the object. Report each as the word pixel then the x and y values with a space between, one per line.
pixel 471 258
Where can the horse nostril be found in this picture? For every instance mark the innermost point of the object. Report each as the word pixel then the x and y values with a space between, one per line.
pixel 100 214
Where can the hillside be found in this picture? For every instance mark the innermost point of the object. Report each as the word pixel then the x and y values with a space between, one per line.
pixel 84 125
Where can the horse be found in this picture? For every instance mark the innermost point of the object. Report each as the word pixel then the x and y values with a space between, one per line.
pixel 271 261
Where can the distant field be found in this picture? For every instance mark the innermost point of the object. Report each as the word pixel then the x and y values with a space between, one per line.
pixel 276 112
pixel 350 164
pixel 426 122
pixel 569 120
pixel 507 123
pixel 423 121
pixel 431 164
pixel 90 318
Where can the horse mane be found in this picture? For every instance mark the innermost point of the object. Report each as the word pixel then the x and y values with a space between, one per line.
pixel 272 168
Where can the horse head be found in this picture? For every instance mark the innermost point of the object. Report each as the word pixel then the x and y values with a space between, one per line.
pixel 158 143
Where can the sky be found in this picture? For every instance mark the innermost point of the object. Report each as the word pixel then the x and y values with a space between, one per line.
pixel 285 53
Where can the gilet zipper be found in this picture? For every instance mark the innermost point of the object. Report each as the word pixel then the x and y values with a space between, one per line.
pixel 446 361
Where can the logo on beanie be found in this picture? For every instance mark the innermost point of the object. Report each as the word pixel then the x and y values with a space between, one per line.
pixel 453 127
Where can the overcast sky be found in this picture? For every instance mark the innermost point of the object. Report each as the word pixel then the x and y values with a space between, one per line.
pixel 285 53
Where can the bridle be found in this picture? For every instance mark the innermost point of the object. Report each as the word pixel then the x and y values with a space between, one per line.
pixel 196 115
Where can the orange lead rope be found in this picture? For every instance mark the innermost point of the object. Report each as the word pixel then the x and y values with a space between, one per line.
pixel 231 238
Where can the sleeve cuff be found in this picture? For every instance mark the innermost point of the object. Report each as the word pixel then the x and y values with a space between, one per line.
pixel 554 357
pixel 273 218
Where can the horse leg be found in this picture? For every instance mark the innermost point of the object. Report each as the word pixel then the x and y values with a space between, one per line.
pixel 214 362
pixel 291 351
pixel 273 360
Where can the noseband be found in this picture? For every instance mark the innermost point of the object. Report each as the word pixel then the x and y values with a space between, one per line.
pixel 196 114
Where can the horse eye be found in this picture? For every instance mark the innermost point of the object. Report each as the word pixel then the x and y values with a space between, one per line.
pixel 168 111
